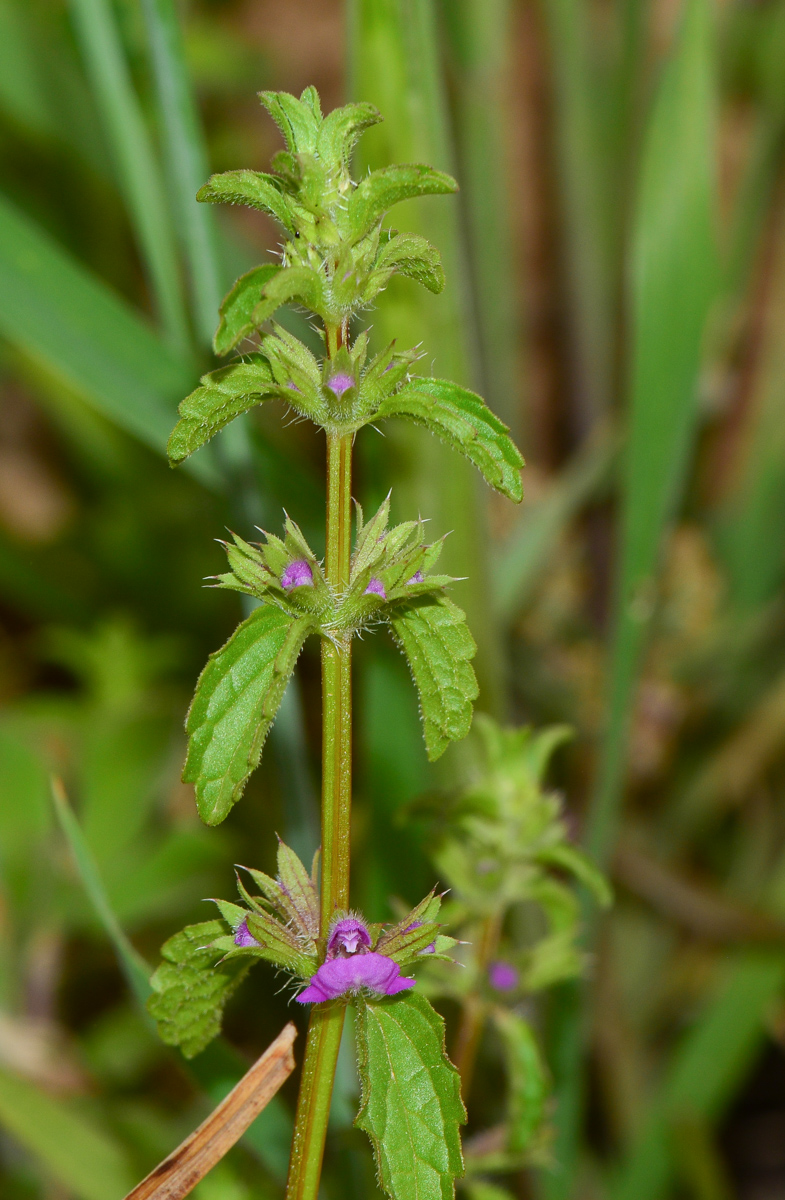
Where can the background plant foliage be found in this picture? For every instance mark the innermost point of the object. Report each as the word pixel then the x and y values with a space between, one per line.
pixel 616 271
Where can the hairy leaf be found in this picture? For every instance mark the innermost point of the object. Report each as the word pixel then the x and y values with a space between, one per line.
pixel 290 283
pixel 278 944
pixel 380 190
pixel 433 635
pixel 341 129
pixel 299 888
pixel 411 1098
pixel 235 703
pixel 527 1080
pixel 462 419
pixel 237 310
pixel 190 990
pixel 298 120
pixel 252 188
pixel 414 256
pixel 221 396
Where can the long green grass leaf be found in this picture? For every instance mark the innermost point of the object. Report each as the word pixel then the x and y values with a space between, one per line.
pixel 519 561
pixel 674 280
pixel 59 314
pixel 78 1155
pixel 135 969
pixel 480 40
pixel 140 176
pixel 704 1074
pixel 187 158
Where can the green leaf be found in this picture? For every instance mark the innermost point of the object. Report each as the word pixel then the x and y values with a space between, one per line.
pixel 462 419
pixel 340 130
pixel 571 859
pixel 411 1104
pixel 380 190
pixel 131 145
pixel 237 307
pixel 433 635
pixel 252 188
pixel 291 283
pixel 134 967
pixel 298 120
pixel 190 989
pixel 234 705
pixel 186 153
pixel 222 395
pixel 674 279
pixel 413 256
pixel 277 943
pixel 83 1159
pixel 300 889
pixel 527 1080
pixel 59 314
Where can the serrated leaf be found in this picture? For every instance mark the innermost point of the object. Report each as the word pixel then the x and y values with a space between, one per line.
pixel 380 190
pixel 407 945
pixel 433 635
pixel 463 420
pixel 190 990
pixel 252 188
pixel 238 306
pixel 221 396
pixel 415 257
pixel 527 1080
pixel 411 1104
pixel 234 705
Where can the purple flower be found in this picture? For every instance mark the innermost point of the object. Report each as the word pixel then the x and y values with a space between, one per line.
pixel 348 935
pixel 340 383
pixel 242 937
pixel 503 976
pixel 338 976
pixel 417 577
pixel 297 574
pixel 376 588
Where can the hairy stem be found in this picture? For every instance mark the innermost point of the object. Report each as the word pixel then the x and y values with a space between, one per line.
pixel 326 1023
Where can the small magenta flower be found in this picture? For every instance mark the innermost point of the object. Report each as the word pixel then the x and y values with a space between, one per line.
pixel 242 937
pixel 297 574
pixel 417 577
pixel 340 383
pixel 503 976
pixel 338 976
pixel 376 588
pixel 349 935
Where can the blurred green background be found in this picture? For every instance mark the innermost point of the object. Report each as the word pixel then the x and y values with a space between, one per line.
pixel 616 290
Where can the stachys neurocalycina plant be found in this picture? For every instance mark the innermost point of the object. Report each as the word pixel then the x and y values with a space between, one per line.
pixel 337 256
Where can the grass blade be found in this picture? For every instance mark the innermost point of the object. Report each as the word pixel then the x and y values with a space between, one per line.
pixel 134 967
pixel 674 280
pixel 140 177
pixel 81 1158
pixel 479 33
pixel 187 157
pixel 519 561
pixel 54 310
pixel 705 1072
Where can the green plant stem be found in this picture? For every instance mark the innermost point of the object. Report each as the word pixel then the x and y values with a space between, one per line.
pixel 313 1103
pixel 326 1023
pixel 475 1009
